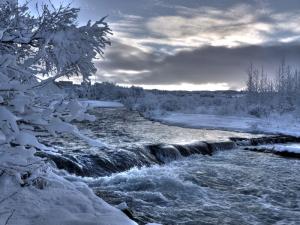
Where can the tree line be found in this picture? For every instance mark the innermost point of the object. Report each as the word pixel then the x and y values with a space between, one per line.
pixel 284 87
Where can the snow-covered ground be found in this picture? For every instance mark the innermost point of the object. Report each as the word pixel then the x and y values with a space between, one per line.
pixel 236 123
pixel 292 148
pixel 34 193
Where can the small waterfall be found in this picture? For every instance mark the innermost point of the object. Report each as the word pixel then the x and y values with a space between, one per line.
pixel 164 153
pixel 195 148
pixel 106 162
pixel 223 145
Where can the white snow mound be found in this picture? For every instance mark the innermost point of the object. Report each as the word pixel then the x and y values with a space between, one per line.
pixel 33 193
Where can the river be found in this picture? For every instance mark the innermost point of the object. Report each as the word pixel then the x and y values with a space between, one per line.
pixel 144 166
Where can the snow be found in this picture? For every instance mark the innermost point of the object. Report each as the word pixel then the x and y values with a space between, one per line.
pixel 33 193
pixel 101 104
pixel 293 148
pixel 236 123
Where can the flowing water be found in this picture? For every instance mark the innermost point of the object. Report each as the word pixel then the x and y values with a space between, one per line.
pixel 230 186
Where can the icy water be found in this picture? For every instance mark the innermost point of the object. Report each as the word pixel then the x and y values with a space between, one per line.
pixel 232 187
pixel 229 187
pixel 123 128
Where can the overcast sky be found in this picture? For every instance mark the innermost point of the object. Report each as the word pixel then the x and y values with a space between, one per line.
pixel 194 44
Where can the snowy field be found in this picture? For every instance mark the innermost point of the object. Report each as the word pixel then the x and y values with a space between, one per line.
pixel 236 123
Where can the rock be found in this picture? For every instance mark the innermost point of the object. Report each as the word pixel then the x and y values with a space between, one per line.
pixel 39 183
pixel 63 162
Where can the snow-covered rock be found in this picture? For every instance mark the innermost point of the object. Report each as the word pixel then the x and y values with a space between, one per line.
pixel 291 148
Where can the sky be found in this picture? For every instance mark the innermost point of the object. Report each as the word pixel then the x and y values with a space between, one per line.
pixel 193 44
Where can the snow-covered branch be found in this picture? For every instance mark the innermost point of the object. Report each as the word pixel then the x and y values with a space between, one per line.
pixel 53 45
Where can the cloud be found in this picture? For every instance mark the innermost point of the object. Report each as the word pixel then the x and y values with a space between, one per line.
pixel 159 25
pixel 204 65
pixel 190 28
pixel 241 24
pixel 204 45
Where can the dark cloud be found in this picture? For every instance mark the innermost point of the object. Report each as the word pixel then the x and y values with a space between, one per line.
pixel 125 57
pixel 203 65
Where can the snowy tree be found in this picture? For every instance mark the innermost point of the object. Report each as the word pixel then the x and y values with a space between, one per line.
pixel 49 45
pixel 52 43
pixel 34 52
pixel 280 92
